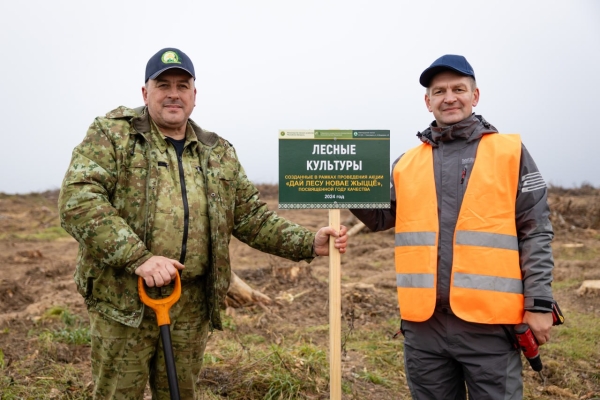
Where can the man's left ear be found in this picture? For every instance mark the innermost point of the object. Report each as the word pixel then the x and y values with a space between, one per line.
pixel 475 97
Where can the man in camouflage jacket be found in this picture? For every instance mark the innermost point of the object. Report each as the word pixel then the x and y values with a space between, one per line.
pixel 147 192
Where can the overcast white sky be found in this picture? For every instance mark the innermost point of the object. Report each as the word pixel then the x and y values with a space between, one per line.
pixel 268 65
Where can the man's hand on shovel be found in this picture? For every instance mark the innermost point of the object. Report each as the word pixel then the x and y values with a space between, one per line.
pixel 158 271
pixel 155 273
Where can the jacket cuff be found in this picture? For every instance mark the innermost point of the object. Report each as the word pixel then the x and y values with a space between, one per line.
pixel 133 266
pixel 543 305
pixel 309 244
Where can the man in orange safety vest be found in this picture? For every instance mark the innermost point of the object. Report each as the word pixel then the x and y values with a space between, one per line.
pixel 472 246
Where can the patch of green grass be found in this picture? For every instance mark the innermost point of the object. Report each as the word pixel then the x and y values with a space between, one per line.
pixel 584 253
pixel 380 353
pixel 253 339
pixel 230 349
pixel 79 335
pixel 210 359
pixel 228 322
pixel 47 234
pixel 62 313
pixel 566 284
pixel 310 355
pixel 373 377
pixel 74 330
pixel 43 380
pixel 313 330
pixel 316 329
pixel 268 371
pixel 346 388
pixel 66 317
pixel 577 339
pixel 382 359
pixel 46 370
pixel 571 358
pixel 293 370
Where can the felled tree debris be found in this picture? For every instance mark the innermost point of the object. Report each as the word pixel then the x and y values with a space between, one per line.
pixel 240 294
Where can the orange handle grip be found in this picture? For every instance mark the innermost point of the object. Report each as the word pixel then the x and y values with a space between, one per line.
pixel 160 306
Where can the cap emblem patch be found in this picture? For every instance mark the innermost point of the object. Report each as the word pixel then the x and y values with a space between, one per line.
pixel 170 57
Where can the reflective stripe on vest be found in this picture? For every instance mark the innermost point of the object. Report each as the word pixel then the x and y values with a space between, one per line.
pixel 486 284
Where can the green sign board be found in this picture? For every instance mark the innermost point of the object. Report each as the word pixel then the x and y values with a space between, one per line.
pixel 334 168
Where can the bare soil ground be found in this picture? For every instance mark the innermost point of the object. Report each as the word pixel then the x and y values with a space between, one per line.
pixel 36 274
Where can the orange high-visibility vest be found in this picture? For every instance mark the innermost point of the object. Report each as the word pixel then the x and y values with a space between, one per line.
pixel 486 283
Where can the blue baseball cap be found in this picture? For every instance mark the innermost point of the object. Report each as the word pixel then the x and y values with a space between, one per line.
pixel 450 62
pixel 168 58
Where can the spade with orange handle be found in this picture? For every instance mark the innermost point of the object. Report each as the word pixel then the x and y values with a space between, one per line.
pixel 161 308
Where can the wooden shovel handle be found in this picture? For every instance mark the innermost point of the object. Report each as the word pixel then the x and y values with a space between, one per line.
pixel 160 306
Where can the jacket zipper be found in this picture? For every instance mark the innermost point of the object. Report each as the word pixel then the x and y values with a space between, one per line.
pixel 186 210
pixel 211 307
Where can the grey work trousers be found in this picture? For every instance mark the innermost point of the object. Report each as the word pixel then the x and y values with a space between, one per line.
pixel 444 357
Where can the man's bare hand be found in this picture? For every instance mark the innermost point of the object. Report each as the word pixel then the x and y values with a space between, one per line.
pixel 158 271
pixel 321 243
pixel 540 324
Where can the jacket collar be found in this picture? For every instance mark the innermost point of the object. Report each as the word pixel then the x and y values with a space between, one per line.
pixel 141 123
pixel 469 129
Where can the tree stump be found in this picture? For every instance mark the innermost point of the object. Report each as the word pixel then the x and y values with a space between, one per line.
pixel 589 288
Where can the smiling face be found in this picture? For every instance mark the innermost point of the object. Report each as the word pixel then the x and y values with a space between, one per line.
pixel 170 98
pixel 451 97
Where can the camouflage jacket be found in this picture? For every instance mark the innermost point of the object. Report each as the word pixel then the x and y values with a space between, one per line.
pixel 112 204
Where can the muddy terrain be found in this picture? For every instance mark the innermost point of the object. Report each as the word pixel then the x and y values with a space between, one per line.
pixel 37 263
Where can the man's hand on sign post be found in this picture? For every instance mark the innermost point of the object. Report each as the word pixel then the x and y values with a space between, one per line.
pixel 321 243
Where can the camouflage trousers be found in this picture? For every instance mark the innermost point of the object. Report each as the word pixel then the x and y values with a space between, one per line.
pixel 125 358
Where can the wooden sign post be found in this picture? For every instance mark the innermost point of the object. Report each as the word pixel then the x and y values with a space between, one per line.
pixel 335 312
